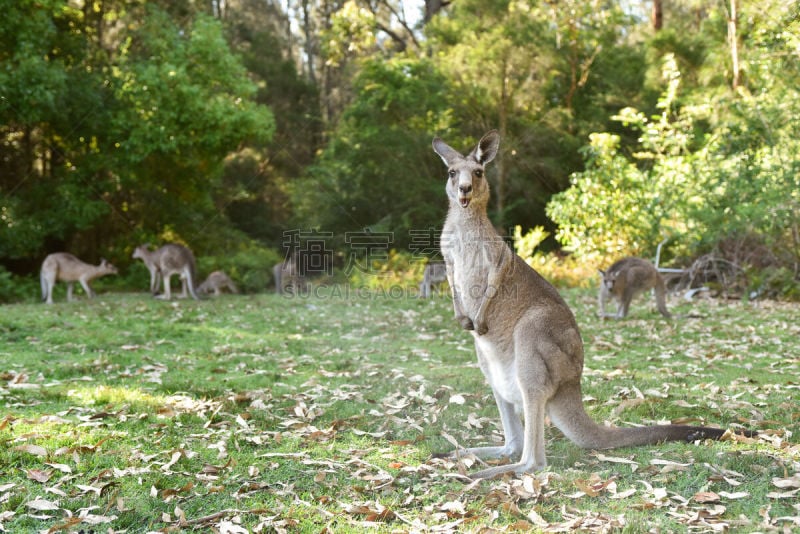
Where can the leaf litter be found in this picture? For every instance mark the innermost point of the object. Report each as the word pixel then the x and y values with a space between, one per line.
pixel 384 483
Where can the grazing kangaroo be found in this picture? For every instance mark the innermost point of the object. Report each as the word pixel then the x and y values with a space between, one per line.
pixel 66 267
pixel 216 282
pixel 526 338
pixel 435 273
pixel 166 261
pixel 627 278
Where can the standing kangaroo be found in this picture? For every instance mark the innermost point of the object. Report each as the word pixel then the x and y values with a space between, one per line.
pixel 625 279
pixel 166 261
pixel 216 282
pixel 288 278
pixel 526 338
pixel 66 267
pixel 435 273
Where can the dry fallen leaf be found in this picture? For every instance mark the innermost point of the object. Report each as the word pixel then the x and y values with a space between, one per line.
pixel 41 505
pixel 706 497
pixel 39 475
pixel 64 468
pixel 783 483
pixel 783 494
pixel 613 459
pixel 65 526
pixel 36 450
pixel 457 399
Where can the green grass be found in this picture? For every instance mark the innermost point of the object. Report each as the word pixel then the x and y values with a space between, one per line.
pixel 321 412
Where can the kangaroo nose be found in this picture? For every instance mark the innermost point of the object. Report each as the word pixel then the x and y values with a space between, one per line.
pixel 465 189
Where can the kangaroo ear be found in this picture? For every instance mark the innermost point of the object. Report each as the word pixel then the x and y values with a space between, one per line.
pixel 601 271
pixel 448 154
pixel 487 147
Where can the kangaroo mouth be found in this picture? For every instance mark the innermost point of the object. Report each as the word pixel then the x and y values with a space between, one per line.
pixel 464 201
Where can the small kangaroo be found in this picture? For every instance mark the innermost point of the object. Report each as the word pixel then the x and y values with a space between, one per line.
pixel 166 261
pixel 287 277
pixel 66 267
pixel 217 282
pixel 627 278
pixel 526 338
pixel 435 273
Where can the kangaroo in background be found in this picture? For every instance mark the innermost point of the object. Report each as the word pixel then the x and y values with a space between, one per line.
pixel 166 261
pixel 217 282
pixel 627 278
pixel 287 277
pixel 435 273
pixel 526 338
pixel 66 267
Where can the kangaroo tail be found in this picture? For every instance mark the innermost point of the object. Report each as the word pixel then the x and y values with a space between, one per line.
pixel 661 302
pixel 44 284
pixel 567 413
pixel 190 276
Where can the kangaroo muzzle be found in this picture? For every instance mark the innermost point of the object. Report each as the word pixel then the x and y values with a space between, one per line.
pixel 464 194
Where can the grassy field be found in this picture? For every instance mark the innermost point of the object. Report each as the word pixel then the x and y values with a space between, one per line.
pixel 263 413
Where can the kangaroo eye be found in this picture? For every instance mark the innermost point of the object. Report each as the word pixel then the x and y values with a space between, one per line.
pixel 451 173
pixel 478 173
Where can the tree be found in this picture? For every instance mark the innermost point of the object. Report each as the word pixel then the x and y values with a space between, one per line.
pixel 254 191
pixel 378 171
pixel 716 170
pixel 187 103
pixel 51 180
pixel 545 75
pixel 112 132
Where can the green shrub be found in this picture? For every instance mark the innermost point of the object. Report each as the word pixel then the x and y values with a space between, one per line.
pixel 17 288
pixel 564 270
pixel 400 270
pixel 737 182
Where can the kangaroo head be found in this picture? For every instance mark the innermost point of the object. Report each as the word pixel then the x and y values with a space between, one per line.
pixel 140 251
pixel 107 267
pixel 609 278
pixel 466 182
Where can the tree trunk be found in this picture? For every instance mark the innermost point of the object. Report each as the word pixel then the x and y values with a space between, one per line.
pixel 432 7
pixel 308 47
pixel 657 15
pixel 733 41
pixel 500 194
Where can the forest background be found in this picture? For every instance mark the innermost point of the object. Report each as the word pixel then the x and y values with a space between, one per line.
pixel 238 126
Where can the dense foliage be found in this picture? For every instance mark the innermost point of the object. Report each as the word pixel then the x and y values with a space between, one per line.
pixel 229 125
pixel 713 174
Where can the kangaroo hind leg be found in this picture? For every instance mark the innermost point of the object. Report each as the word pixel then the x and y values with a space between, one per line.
pixel 48 281
pixel 510 419
pixel 530 387
pixel 532 437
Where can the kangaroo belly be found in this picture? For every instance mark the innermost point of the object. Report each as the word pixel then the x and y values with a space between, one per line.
pixel 499 367
pixel 470 290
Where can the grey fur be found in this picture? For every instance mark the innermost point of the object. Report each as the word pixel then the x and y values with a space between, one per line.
pixel 166 261
pixel 627 278
pixel 68 268
pixel 526 338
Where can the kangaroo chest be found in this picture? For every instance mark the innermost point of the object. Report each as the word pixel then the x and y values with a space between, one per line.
pixel 471 254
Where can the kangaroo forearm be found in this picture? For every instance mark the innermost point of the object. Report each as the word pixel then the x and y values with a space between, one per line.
pixel 458 309
pixel 495 280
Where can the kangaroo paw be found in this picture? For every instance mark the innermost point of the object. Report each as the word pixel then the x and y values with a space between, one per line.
pixel 466 322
